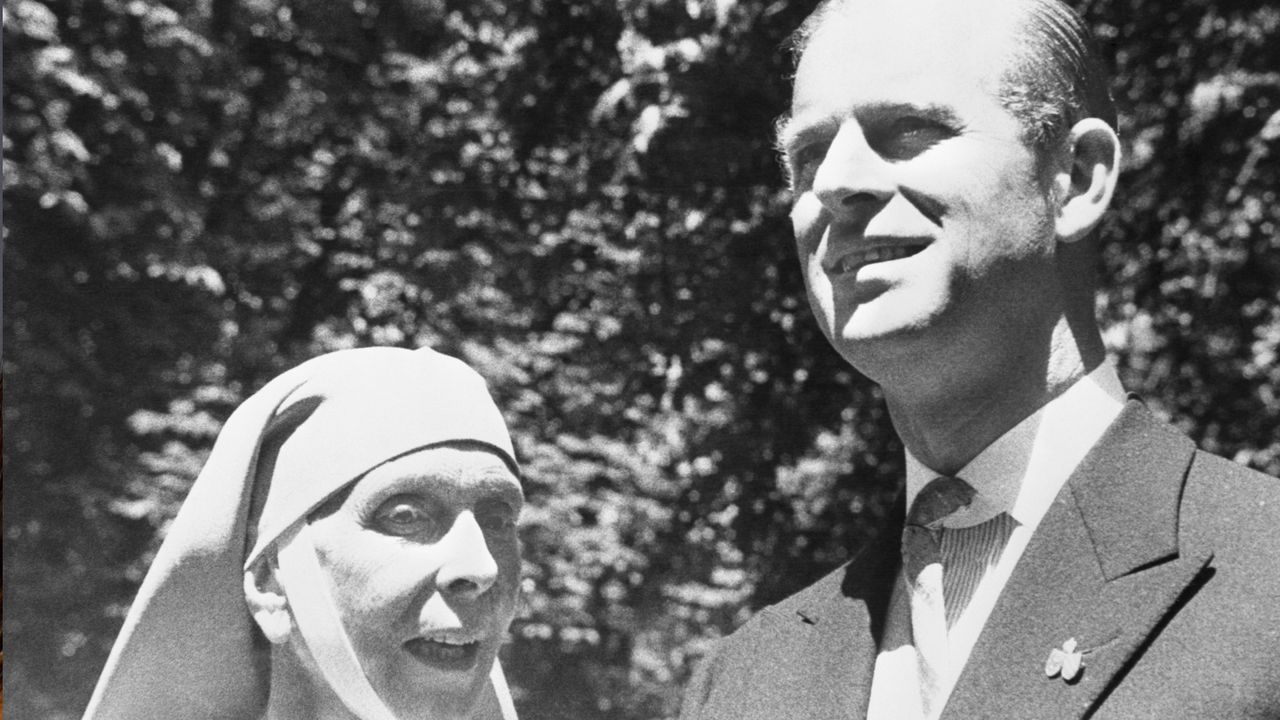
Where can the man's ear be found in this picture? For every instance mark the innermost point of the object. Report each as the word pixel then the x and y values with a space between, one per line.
pixel 1086 180
pixel 267 602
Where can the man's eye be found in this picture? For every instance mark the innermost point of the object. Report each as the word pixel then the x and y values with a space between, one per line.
pixel 402 516
pixel 908 137
pixel 804 162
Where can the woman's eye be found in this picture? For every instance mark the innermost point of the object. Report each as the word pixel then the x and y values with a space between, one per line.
pixel 402 516
pixel 496 521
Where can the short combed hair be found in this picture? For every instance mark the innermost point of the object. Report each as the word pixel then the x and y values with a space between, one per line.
pixel 1054 77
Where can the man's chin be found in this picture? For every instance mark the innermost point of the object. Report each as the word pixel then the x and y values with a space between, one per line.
pixel 866 325
pixel 868 338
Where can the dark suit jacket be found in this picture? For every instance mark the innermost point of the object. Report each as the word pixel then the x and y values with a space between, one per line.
pixel 1162 561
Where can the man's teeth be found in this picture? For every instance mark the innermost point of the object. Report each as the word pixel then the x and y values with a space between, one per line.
pixel 875 255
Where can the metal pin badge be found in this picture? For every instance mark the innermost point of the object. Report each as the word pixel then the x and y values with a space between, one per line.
pixel 1064 661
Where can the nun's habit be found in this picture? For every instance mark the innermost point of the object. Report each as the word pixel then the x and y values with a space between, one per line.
pixel 187 649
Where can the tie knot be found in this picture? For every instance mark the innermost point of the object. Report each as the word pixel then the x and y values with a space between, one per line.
pixel 941 497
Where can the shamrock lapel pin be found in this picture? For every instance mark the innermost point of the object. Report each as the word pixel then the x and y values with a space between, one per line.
pixel 1064 661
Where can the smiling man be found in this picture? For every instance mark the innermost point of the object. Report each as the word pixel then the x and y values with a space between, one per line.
pixel 1061 552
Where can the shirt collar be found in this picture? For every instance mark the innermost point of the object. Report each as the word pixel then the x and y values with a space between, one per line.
pixel 1021 472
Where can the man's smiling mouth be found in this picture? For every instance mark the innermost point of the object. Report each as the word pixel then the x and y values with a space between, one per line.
pixel 861 258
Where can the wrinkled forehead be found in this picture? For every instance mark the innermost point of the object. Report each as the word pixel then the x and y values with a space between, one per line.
pixel 353 411
pixel 463 471
pixel 939 43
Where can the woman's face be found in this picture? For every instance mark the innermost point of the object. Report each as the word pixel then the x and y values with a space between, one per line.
pixel 424 566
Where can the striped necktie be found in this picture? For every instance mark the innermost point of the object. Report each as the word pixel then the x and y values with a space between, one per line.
pixel 923 563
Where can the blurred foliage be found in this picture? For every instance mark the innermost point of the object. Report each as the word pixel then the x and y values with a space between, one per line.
pixel 581 200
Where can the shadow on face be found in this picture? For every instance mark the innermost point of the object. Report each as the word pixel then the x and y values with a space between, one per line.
pixel 922 223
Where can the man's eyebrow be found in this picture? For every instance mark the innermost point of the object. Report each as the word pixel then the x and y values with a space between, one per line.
pixel 944 114
pixel 791 130
pixel 782 130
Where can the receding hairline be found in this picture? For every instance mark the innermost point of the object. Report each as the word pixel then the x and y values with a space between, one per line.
pixel 1019 39
pixel 999 50
pixel 998 18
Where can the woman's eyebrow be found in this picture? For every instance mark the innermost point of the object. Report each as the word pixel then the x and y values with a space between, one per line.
pixel 500 485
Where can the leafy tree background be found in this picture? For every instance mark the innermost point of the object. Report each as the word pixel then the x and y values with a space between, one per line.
pixel 581 200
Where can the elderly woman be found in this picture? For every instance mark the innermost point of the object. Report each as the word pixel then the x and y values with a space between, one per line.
pixel 348 551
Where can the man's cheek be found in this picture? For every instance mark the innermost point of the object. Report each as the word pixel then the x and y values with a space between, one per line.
pixel 807 222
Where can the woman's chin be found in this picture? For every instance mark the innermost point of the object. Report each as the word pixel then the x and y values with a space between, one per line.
pixel 440 680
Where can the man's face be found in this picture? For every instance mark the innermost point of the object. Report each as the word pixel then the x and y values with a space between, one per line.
pixel 921 221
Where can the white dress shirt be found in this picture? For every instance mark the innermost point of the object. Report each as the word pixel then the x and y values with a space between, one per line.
pixel 1018 476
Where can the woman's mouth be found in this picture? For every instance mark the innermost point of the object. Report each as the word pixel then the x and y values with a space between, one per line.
pixel 444 651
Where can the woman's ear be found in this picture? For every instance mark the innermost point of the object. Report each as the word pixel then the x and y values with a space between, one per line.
pixel 1086 180
pixel 267 602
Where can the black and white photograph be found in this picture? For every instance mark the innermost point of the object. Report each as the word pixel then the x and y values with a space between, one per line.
pixel 641 360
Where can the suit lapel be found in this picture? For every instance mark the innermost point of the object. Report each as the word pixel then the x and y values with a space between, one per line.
pixel 1103 568
pixel 834 631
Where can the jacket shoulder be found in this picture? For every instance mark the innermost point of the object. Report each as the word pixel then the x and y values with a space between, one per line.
pixel 756 636
pixel 778 664
pixel 1231 509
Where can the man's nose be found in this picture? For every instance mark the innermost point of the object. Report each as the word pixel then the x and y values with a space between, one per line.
pixel 853 178
pixel 468 568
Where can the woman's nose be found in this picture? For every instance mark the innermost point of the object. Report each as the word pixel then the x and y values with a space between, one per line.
pixel 468 568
